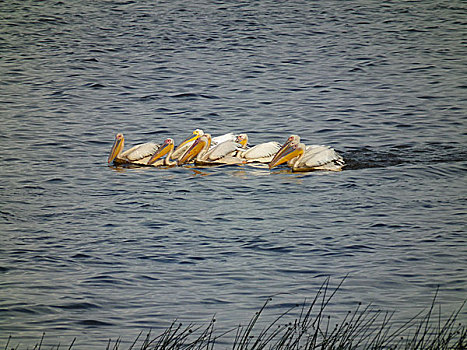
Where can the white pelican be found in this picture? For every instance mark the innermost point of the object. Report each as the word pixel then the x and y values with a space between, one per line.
pixel 302 158
pixel 201 152
pixel 185 144
pixel 188 142
pixel 262 153
pixel 138 154
pixel 166 149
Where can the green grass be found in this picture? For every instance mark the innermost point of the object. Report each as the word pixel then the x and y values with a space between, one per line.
pixel 311 328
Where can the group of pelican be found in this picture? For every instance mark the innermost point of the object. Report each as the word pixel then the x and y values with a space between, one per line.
pixel 229 149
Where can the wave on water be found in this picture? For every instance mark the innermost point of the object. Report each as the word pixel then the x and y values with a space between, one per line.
pixel 369 157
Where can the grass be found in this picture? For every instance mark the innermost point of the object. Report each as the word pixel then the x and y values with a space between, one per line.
pixel 311 328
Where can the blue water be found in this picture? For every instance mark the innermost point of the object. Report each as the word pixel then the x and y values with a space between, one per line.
pixel 97 252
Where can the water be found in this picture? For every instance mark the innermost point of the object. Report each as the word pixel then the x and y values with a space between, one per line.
pixel 97 252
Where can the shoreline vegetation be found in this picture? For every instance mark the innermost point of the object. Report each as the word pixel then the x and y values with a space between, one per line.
pixel 364 328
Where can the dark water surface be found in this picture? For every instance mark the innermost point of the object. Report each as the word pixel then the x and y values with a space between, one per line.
pixel 99 252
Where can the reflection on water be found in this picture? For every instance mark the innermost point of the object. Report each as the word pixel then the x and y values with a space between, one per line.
pixel 197 172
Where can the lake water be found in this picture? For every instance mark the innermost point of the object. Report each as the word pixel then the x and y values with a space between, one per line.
pixel 97 252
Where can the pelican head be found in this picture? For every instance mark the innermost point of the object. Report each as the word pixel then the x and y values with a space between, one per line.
pixel 195 135
pixel 202 142
pixel 289 150
pixel 242 139
pixel 116 148
pixel 293 138
pixel 166 147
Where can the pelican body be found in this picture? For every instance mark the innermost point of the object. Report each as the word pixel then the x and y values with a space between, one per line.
pixel 261 153
pixel 302 158
pixel 138 154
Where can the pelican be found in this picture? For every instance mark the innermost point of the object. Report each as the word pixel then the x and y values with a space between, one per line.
pixel 185 144
pixel 138 154
pixel 166 149
pixel 302 158
pixel 201 152
pixel 262 153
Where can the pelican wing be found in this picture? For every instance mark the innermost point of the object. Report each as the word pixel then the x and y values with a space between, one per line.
pixel 317 156
pixel 312 149
pixel 221 150
pixel 222 138
pixel 140 151
pixel 262 150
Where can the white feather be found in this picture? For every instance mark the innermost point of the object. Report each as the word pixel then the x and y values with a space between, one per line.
pixel 262 150
pixel 221 150
pixel 317 156
pixel 223 138
pixel 140 151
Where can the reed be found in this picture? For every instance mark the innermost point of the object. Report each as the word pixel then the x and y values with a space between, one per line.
pixel 364 328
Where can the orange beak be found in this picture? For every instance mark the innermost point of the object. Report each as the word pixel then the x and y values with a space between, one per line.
pixel 285 153
pixel 196 135
pixel 162 151
pixel 192 152
pixel 116 148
